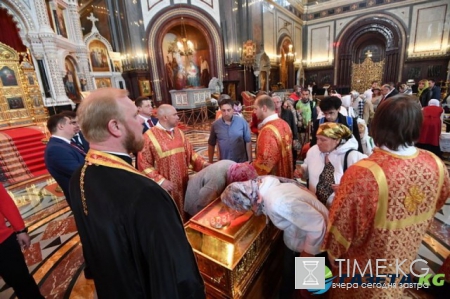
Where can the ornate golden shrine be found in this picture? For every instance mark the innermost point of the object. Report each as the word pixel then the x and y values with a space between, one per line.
pixel 20 96
pixel 364 73
pixel 237 260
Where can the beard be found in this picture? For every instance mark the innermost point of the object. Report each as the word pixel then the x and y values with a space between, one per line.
pixel 132 143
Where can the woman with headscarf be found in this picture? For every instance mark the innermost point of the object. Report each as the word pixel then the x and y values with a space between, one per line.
pixel 424 93
pixel 325 162
pixel 431 127
pixel 207 184
pixel 291 208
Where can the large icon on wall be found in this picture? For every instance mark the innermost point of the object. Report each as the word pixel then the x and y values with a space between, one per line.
pixel 186 58
pixel 71 82
pixel 99 56
pixel 8 77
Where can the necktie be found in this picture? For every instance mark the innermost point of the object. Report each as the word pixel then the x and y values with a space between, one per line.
pixel 77 147
pixel 150 123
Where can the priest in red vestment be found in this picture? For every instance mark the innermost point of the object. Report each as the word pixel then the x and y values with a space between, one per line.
pixel 274 143
pixel 385 204
pixel 167 155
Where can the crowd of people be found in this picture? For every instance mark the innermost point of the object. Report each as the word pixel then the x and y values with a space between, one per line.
pixel 369 191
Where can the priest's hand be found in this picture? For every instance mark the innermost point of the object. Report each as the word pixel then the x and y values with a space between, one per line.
pixel 168 185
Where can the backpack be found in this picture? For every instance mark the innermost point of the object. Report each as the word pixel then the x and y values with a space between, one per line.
pixel 349 122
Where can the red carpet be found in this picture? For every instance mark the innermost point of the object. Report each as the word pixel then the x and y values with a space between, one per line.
pixel 22 153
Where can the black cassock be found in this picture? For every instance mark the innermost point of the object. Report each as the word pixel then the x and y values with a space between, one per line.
pixel 133 237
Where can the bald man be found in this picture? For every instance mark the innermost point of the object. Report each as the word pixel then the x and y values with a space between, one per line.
pixel 167 155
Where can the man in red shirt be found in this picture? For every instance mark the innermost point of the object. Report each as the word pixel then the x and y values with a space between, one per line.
pixel 296 95
pixel 13 268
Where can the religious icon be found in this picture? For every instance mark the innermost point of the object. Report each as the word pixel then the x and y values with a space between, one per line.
pixel 8 77
pixel 70 81
pixel 15 103
pixel 102 82
pixel 30 79
pixel 60 24
pixel 99 56
pixel 144 88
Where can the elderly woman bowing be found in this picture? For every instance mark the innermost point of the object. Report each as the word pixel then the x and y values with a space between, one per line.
pixel 326 162
pixel 291 208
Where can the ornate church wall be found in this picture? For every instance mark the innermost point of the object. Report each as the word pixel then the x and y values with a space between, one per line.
pixel 422 28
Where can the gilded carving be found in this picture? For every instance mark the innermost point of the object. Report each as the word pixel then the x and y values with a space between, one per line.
pixel 363 74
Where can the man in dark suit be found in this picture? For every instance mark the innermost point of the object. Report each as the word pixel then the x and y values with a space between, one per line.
pixel 77 139
pixel 62 157
pixel 435 90
pixel 145 110
pixel 388 91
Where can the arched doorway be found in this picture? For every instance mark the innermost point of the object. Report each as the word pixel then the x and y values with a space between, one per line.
pixel 382 35
pixel 182 21
pixel 287 58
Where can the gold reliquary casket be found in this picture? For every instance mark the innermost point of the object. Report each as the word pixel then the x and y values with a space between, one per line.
pixel 239 255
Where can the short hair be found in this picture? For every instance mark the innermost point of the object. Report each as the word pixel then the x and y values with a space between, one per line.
pixel 375 81
pixel 139 100
pixel 397 122
pixel 265 100
pixel 70 114
pixel 278 97
pixel 226 101
pixel 330 103
pixel 386 86
pixel 54 121
pixel 306 89
pixel 432 80
pixel 96 110
pixel 223 96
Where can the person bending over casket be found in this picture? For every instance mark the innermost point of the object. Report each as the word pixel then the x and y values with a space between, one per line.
pixel 207 184
pixel 292 208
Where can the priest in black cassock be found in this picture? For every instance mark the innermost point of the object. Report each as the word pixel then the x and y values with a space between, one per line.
pixel 130 227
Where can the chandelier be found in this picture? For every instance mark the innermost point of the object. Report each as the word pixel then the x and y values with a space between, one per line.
pixel 184 45
pixel 290 56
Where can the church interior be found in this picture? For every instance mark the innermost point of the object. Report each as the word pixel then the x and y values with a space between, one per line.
pixel 53 53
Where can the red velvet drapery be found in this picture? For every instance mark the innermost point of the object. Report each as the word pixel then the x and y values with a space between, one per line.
pixel 9 34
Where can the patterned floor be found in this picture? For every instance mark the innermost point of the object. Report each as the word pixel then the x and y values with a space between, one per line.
pixel 55 258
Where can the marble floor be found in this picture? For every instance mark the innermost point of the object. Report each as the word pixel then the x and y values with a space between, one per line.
pixel 55 258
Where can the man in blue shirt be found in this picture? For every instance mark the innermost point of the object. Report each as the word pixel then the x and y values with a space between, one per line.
pixel 232 134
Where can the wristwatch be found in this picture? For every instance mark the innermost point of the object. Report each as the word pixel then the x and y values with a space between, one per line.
pixel 25 230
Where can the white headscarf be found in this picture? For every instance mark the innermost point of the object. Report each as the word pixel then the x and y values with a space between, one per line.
pixel 434 102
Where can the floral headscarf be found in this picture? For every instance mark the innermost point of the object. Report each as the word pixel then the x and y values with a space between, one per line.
pixel 242 196
pixel 334 131
pixel 241 172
